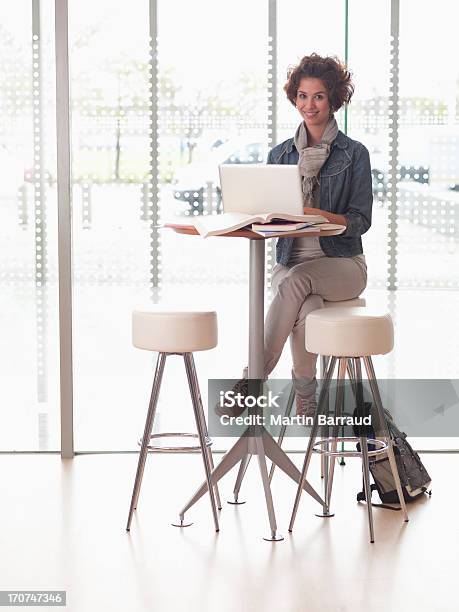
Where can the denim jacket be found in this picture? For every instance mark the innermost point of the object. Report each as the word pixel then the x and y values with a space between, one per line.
pixel 345 189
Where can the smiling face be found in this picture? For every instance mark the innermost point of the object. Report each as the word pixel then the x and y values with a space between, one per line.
pixel 313 103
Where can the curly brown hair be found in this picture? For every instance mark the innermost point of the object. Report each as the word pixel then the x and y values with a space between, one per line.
pixel 330 70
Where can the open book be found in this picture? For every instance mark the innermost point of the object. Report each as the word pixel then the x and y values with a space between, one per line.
pixel 217 225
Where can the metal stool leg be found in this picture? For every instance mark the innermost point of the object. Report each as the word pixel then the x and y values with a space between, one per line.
pixel 366 484
pixel 351 375
pixel 338 411
pixel 288 411
pixel 205 429
pixel 146 435
pixel 194 390
pixel 324 460
pixel 315 427
pixel 390 450
pixel 280 439
pixel 365 459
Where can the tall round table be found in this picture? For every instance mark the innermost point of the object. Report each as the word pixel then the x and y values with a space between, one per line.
pixel 260 442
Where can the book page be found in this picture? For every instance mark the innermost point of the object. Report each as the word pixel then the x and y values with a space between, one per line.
pixel 213 225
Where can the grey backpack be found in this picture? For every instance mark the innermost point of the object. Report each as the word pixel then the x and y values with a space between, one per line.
pixel 414 477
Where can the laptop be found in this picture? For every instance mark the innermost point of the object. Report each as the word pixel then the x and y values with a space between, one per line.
pixel 261 188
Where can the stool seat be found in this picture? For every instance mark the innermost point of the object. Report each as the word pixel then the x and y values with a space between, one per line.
pixel 360 302
pixel 174 331
pixel 349 332
pixel 349 336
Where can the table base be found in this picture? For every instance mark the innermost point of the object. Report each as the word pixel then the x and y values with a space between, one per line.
pixel 262 445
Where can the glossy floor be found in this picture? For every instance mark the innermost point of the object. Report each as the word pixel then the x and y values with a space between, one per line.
pixel 62 527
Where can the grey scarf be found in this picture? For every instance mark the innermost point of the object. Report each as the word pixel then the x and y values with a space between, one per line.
pixel 311 159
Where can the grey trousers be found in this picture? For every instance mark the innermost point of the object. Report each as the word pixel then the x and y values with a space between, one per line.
pixel 298 290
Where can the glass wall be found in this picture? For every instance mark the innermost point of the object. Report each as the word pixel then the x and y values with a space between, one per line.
pixel 29 348
pixel 161 93
pixel 109 54
pixel 369 120
pixel 298 37
pixel 214 109
pixel 151 120
pixel 428 147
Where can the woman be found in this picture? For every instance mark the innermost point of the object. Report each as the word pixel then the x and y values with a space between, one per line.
pixel 336 181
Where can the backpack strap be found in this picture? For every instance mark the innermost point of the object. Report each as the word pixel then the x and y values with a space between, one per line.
pixel 395 431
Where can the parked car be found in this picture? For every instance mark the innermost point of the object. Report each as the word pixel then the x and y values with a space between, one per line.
pixel 193 181
pixel 380 178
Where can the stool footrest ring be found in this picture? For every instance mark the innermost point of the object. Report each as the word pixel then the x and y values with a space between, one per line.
pixel 159 448
pixel 380 447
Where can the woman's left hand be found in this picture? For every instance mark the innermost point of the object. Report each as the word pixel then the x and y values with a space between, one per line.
pixel 331 217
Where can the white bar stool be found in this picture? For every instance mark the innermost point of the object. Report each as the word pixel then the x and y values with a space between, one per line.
pixel 349 334
pixel 355 303
pixel 175 333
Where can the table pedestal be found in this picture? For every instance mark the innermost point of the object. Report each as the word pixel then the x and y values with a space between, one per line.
pixel 263 445
pixel 256 440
